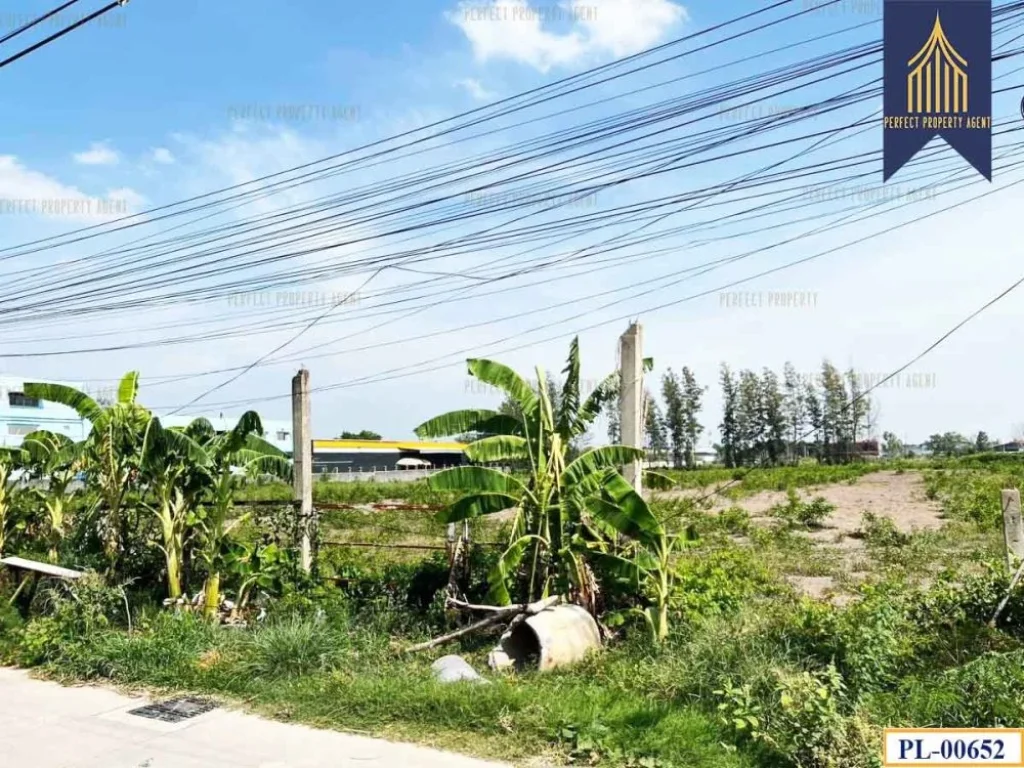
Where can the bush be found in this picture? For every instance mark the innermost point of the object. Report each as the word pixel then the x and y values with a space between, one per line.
pixel 987 692
pixel 720 582
pixel 881 532
pixel 796 512
pixel 293 646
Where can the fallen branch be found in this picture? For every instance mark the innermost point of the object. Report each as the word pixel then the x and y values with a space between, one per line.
pixel 498 614
pixel 456 634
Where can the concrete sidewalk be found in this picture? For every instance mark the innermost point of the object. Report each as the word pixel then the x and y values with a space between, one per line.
pixel 45 725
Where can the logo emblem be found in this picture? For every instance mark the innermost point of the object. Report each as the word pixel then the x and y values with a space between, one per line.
pixel 938 80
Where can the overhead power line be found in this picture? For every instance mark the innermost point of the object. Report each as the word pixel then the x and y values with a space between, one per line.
pixel 57 35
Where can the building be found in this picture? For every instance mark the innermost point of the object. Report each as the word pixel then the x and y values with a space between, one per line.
pixel 20 415
pixel 378 455
pixel 868 449
pixel 276 432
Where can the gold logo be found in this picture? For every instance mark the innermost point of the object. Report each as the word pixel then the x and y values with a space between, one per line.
pixel 937 82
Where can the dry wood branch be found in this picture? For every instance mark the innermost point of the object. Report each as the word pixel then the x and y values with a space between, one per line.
pixel 509 610
pixel 498 614
pixel 456 634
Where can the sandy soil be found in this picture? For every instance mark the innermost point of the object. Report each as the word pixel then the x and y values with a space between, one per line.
pixel 899 497
pixel 887 494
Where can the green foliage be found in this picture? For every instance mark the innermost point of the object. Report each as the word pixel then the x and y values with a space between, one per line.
pixel 735 520
pixel 568 508
pixel 881 532
pixel 774 478
pixel 292 646
pixel 595 744
pixel 364 434
pixel 719 583
pixel 949 444
pixel 796 512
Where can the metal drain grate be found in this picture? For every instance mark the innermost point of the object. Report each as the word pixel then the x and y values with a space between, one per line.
pixel 175 710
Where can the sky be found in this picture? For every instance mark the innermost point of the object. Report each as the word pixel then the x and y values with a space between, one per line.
pixel 160 102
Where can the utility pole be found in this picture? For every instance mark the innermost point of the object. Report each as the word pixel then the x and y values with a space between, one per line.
pixel 631 400
pixel 302 459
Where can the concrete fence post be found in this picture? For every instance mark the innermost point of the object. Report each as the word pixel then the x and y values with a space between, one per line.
pixel 631 397
pixel 1013 530
pixel 302 459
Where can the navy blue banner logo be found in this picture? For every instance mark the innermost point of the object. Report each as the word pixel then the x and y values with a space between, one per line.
pixel 938 80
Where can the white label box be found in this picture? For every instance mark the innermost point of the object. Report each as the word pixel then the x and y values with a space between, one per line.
pixel 948 747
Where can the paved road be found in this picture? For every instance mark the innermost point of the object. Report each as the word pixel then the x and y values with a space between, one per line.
pixel 44 725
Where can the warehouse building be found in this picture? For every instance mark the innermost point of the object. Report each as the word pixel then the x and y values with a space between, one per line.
pixel 384 455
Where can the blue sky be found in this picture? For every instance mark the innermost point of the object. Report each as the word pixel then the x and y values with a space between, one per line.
pixel 161 101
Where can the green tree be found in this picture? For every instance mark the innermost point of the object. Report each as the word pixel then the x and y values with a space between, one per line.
pixel 111 455
pixel 794 408
pixel 229 457
pixel 190 475
pixel 729 427
pixel 53 459
pixel 949 444
pixel 815 417
pixel 564 509
pixel 750 419
pixel 654 429
pixel 982 443
pixel 773 413
pixel 835 422
pixel 692 395
pixel 859 407
pixel 675 416
pixel 892 446
pixel 363 435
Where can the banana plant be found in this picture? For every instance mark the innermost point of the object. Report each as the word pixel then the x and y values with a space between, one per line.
pixel 191 474
pixel 646 563
pixel 242 450
pixel 53 458
pixel 553 529
pixel 112 452
pixel 172 472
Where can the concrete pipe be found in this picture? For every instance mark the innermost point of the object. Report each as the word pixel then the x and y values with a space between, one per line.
pixel 552 638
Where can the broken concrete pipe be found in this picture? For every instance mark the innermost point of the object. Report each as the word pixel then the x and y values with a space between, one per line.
pixel 555 637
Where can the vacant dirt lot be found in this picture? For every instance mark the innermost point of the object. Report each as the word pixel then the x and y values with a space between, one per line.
pixel 887 494
pixel 899 497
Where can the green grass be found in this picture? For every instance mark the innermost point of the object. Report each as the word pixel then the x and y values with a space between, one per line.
pixel 744 482
pixel 910 649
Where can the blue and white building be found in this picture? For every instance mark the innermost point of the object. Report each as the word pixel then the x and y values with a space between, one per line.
pixel 20 415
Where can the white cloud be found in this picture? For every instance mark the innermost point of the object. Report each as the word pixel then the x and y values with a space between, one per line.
pixel 31 193
pixel 476 89
pixel 519 31
pixel 97 154
pixel 130 199
pixel 163 156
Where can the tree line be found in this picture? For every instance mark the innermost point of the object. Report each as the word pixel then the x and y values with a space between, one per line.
pixel 767 419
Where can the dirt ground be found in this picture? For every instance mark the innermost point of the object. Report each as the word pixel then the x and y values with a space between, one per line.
pixel 899 497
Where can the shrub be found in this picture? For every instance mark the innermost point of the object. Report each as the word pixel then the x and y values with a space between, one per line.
pixel 796 512
pixel 720 582
pixel 293 646
pixel 735 520
pixel 881 532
